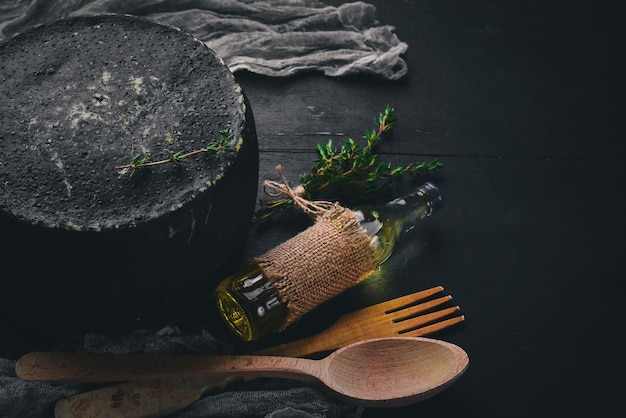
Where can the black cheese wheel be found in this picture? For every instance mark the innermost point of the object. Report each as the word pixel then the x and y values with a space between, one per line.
pixel 87 245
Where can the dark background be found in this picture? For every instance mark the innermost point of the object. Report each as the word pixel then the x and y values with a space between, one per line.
pixel 523 102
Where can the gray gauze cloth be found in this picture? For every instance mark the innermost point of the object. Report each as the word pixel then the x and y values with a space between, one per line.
pixel 272 398
pixel 271 37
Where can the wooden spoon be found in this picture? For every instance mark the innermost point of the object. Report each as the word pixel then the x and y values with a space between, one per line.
pixel 382 372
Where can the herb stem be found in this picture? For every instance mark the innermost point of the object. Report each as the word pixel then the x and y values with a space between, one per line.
pixel 141 161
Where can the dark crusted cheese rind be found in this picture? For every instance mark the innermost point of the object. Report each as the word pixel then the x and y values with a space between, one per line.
pixel 84 95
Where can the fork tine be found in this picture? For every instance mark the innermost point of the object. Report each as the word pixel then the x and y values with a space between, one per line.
pixel 413 323
pixel 437 326
pixel 409 311
pixel 383 312
pixel 408 300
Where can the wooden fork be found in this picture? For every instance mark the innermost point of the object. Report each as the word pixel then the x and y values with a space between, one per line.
pixel 387 319
pixel 396 317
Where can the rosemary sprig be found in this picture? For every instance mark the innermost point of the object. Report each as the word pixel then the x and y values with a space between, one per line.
pixel 350 171
pixel 178 157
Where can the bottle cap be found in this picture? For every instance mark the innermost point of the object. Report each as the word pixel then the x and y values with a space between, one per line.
pixel 434 195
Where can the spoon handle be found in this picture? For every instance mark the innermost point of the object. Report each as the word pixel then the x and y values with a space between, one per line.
pixel 64 367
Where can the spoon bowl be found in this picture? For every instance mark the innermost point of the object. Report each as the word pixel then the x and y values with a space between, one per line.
pixel 381 372
pixel 393 371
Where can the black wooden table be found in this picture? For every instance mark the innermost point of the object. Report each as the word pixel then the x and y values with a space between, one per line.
pixel 521 100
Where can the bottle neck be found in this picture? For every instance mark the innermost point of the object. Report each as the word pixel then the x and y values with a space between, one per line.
pixel 386 223
pixel 405 212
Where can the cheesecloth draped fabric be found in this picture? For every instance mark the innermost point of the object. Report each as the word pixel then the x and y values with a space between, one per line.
pixel 272 37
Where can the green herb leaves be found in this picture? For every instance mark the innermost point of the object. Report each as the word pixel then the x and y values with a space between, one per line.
pixel 351 170
pixel 178 157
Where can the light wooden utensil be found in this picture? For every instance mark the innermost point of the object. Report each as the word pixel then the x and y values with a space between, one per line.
pixel 400 316
pixel 385 372
pixel 396 317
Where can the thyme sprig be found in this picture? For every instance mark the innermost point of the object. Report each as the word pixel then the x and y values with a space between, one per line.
pixel 178 157
pixel 350 170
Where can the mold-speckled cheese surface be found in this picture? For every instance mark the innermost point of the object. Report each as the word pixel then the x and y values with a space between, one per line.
pixel 83 96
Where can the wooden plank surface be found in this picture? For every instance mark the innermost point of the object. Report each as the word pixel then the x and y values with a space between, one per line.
pixel 520 100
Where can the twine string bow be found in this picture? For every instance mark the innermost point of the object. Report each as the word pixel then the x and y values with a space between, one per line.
pixel 313 208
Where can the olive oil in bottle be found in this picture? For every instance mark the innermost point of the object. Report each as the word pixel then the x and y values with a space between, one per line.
pixel 252 305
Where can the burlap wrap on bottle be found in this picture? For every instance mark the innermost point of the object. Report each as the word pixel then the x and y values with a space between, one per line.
pixel 319 263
